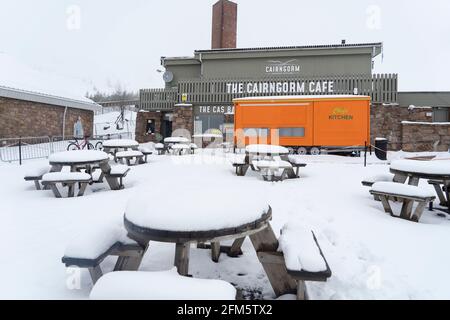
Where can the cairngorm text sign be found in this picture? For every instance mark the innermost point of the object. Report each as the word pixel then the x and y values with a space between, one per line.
pixel 290 87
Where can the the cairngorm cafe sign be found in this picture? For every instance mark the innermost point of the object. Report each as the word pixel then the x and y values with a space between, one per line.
pixel 288 87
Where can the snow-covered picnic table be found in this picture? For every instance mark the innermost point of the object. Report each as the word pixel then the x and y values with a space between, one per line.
pixel 84 158
pixel 190 219
pixel 265 149
pixel 176 140
pixel 115 145
pixel 121 144
pixel 434 170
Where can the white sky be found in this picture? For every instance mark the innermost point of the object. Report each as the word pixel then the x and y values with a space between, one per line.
pixel 122 41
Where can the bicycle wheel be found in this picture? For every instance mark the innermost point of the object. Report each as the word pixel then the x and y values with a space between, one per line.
pixel 90 146
pixel 99 146
pixel 72 147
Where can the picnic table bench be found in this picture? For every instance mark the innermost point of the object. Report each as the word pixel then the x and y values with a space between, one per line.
pixel 160 149
pixel 119 172
pixel 90 249
pixel 160 285
pixel 129 155
pixel 433 170
pixel 69 179
pixel 269 168
pixel 146 152
pixel 408 194
pixel 180 149
pixel 36 174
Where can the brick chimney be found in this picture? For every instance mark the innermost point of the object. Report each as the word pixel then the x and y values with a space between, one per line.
pixel 224 25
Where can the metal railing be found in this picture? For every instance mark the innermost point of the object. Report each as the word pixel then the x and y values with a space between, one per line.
pixel 28 148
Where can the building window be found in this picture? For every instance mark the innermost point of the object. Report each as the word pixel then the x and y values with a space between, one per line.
pixel 256 132
pixel 292 132
pixel 441 115
pixel 150 128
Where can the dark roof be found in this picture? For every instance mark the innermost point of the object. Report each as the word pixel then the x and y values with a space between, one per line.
pixel 329 46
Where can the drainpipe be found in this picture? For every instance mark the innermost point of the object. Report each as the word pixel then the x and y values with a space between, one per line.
pixel 64 123
pixel 201 65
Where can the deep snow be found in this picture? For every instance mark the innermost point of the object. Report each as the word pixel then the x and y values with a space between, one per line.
pixel 371 255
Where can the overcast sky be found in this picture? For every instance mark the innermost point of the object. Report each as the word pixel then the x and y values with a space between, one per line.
pixel 111 41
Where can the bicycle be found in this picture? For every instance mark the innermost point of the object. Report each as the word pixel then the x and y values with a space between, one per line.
pixel 85 144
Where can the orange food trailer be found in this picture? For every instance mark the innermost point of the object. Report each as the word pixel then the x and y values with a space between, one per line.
pixel 306 124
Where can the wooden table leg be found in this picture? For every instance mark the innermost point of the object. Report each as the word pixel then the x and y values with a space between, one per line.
pixel 182 251
pixel 413 181
pixel 235 249
pixel 113 182
pixel 215 251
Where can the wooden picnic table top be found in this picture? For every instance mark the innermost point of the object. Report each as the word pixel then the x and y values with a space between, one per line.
pixel 146 234
pixel 433 170
pixel 120 144
pixel 78 158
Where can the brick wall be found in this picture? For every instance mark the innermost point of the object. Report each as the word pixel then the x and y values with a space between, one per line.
pixel 386 122
pixel 183 118
pixel 141 126
pixel 32 119
pixel 418 137
pixel 224 25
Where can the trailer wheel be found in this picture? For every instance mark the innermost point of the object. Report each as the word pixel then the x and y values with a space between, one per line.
pixel 291 150
pixel 302 151
pixel 315 151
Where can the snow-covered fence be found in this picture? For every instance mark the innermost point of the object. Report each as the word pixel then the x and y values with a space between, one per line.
pixel 25 148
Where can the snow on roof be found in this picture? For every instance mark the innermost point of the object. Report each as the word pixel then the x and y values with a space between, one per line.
pixel 22 82
pixel 304 97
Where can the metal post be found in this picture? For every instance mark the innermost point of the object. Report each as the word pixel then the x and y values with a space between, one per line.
pixel 20 150
pixel 365 154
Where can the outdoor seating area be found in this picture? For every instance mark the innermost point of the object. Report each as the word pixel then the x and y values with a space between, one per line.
pixel 241 238
pixel 274 163
pixel 81 168
pixel 392 187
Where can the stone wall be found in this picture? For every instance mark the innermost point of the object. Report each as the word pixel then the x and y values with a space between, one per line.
pixel 183 118
pixel 20 118
pixel 386 122
pixel 421 136
pixel 141 125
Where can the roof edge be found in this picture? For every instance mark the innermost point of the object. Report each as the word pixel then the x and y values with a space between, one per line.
pixel 38 97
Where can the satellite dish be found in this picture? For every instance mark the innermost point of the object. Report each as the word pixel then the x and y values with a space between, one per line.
pixel 168 76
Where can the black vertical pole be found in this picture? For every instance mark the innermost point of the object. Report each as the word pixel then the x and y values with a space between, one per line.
pixel 365 154
pixel 20 150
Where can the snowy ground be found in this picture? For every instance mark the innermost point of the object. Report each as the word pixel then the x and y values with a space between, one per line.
pixel 372 255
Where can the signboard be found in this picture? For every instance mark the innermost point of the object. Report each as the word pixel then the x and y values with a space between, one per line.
pixel 282 67
pixel 287 87
pixel 214 109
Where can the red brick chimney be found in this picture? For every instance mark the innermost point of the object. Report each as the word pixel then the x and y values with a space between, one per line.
pixel 224 25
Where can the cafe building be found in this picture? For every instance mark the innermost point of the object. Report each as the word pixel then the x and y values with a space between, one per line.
pixel 199 90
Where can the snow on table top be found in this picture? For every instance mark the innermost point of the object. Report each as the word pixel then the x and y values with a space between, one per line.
pixel 78 156
pixel 402 189
pixel 300 250
pixel 440 167
pixel 265 148
pixel 66 176
pixel 296 159
pixel 177 140
pixel 387 177
pixel 208 135
pixel 145 150
pixel 236 158
pixel 119 169
pixel 193 146
pixel 181 146
pixel 160 285
pixel 159 146
pixel 37 171
pixel 194 208
pixel 129 153
pixel 117 143
pixel 271 164
pixel 92 243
